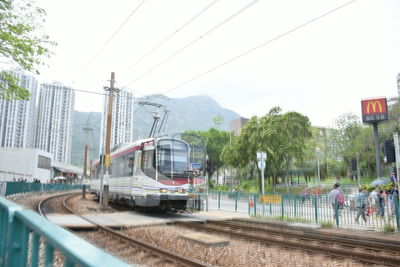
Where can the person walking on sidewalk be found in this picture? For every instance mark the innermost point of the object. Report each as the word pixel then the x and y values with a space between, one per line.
pixel 337 199
pixel 361 203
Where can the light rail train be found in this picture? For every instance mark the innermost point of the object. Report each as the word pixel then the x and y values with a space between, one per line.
pixel 155 172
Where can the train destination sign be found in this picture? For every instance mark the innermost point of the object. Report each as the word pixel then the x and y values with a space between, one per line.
pixel 374 110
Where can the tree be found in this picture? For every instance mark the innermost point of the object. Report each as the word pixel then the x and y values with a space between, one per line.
pixel 282 136
pixel 21 42
pixel 215 142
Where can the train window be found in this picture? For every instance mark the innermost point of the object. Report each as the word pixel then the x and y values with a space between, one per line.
pixel 147 163
pixel 172 157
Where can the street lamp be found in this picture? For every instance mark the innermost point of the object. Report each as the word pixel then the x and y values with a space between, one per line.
pixel 317 151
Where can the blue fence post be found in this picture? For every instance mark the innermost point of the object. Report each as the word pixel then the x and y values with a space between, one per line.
pixel 219 200
pixel 35 250
pixel 316 208
pixel 236 199
pixel 207 203
pixel 396 206
pixel 255 205
pixel 337 212
pixel 19 245
pixel 295 205
pixel 282 206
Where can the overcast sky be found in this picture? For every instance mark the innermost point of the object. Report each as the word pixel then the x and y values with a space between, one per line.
pixel 321 70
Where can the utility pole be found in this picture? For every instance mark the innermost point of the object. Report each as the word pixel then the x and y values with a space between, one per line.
pixel 85 163
pixel 111 91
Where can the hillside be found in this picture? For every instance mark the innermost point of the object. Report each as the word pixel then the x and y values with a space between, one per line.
pixel 189 113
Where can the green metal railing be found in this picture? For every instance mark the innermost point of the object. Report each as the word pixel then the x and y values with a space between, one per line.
pixel 27 239
pixel 16 188
pixel 309 209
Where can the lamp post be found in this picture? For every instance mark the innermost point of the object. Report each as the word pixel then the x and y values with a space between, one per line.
pixel 317 150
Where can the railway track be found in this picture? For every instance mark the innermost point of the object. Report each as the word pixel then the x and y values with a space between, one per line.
pixel 130 246
pixel 365 251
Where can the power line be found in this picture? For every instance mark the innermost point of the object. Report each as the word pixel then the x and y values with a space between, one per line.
pixel 259 46
pixel 108 41
pixel 193 18
pixel 201 37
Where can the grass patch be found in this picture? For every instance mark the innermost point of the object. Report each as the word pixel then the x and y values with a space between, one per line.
pixel 326 224
pixel 388 229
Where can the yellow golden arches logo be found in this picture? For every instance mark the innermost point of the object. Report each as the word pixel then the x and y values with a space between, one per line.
pixel 374 104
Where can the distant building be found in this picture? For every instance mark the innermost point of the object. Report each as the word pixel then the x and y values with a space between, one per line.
pixel 54 123
pixel 18 117
pixel 21 163
pixel 237 124
pixel 398 84
pixel 122 120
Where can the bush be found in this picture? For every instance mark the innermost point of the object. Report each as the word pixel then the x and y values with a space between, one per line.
pixel 326 224
pixel 388 228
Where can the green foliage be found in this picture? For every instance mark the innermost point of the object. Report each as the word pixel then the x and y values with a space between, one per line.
pixel 388 229
pixel 215 141
pixel 22 42
pixel 281 135
pixel 326 224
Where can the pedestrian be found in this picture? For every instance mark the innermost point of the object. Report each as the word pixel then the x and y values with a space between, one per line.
pixel 381 204
pixel 304 194
pixel 393 178
pixel 337 199
pixel 393 196
pixel 361 203
pixel 373 201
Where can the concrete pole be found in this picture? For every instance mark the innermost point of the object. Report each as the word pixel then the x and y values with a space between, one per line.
pixel 377 154
pixel 358 169
pixel 109 121
pixel 317 150
pixel 397 152
pixel 262 172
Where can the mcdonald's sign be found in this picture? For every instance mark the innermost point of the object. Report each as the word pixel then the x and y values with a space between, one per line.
pixel 374 110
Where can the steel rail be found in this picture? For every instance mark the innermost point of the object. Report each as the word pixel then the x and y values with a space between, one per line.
pixel 187 261
pixel 40 205
pixel 342 253
pixel 312 235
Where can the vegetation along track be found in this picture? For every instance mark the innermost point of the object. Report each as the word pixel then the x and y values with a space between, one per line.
pixel 366 251
pixel 130 246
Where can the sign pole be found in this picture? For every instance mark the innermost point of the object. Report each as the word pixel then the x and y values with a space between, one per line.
pixel 358 169
pixel 262 172
pixel 377 157
pixel 397 151
pixel 374 111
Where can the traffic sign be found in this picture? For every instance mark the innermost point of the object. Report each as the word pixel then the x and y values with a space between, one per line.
pixel 261 164
pixel 261 155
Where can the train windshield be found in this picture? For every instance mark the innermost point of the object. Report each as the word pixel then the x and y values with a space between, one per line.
pixel 172 157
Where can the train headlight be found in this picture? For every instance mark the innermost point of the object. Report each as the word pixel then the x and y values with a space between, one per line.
pixel 181 190
pixel 163 190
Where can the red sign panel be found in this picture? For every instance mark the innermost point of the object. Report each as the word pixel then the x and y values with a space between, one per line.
pixel 374 110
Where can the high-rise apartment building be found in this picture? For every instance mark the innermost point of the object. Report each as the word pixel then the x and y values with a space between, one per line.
pixel 398 84
pixel 55 118
pixel 122 120
pixel 18 117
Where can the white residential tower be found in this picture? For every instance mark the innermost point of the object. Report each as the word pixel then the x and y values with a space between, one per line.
pixel 55 118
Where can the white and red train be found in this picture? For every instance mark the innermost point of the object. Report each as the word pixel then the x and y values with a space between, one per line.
pixel 154 172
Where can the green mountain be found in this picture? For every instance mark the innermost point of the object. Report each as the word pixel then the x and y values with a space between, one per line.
pixel 189 113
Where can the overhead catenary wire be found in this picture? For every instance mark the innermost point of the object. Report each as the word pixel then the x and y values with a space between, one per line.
pixel 201 37
pixel 166 39
pixel 259 46
pixel 108 41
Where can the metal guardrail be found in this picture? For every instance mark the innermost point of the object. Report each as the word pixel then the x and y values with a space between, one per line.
pixel 27 239
pixel 310 209
pixel 17 187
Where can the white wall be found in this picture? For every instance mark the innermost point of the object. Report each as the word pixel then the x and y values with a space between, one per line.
pixel 15 163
